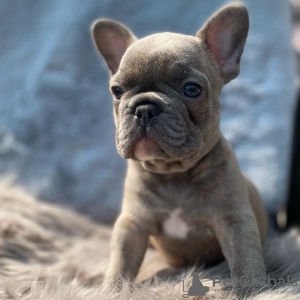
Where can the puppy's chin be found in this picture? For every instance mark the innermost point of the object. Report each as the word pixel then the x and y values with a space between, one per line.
pixel 154 159
pixel 148 150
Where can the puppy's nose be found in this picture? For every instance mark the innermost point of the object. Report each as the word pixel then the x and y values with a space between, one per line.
pixel 146 111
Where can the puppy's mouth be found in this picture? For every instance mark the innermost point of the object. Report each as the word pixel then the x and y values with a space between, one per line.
pixel 147 149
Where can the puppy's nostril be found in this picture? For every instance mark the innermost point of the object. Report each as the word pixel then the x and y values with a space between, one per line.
pixel 139 114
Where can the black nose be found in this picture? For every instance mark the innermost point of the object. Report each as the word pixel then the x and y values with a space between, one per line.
pixel 146 111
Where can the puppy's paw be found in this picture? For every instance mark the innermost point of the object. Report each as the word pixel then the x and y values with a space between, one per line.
pixel 114 285
pixel 120 284
pixel 246 286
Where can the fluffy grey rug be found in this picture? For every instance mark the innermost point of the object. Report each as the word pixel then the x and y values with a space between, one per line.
pixel 48 252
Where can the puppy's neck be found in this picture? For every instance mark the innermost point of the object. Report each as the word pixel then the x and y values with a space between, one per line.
pixel 182 166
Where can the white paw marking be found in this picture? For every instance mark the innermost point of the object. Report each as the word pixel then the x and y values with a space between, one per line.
pixel 174 226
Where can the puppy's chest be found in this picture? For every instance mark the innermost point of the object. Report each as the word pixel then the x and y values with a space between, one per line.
pixel 182 226
pixel 180 210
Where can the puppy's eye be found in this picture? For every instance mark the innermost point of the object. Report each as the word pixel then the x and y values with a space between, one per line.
pixel 192 90
pixel 117 92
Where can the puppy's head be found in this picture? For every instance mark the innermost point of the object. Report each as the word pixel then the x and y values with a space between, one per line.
pixel 166 87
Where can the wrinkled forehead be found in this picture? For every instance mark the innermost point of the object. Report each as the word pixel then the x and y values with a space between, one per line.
pixel 161 55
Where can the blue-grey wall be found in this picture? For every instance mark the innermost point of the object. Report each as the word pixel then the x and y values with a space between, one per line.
pixel 56 126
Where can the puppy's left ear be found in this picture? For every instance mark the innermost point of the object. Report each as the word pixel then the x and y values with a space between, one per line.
pixel 112 40
pixel 225 35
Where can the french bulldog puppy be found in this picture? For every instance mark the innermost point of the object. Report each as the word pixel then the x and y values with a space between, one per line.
pixel 184 189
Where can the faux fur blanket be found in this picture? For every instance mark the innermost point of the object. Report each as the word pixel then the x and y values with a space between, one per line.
pixel 48 252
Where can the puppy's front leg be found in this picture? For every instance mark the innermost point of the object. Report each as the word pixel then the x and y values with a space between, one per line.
pixel 128 246
pixel 239 237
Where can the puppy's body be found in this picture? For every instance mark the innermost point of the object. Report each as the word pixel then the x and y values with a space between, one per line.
pixel 184 212
pixel 184 188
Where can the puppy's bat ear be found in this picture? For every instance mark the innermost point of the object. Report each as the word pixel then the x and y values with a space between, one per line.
pixel 225 35
pixel 112 40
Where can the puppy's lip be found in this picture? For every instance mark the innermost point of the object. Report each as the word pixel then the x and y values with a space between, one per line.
pixel 147 149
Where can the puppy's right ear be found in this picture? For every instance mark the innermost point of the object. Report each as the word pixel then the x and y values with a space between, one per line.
pixel 112 40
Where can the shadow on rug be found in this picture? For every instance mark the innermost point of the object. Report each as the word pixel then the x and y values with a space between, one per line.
pixel 48 252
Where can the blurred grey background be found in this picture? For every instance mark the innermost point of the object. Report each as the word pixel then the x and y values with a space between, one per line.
pixel 56 125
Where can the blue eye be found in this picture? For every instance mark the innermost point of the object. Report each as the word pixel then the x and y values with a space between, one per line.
pixel 117 92
pixel 192 90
